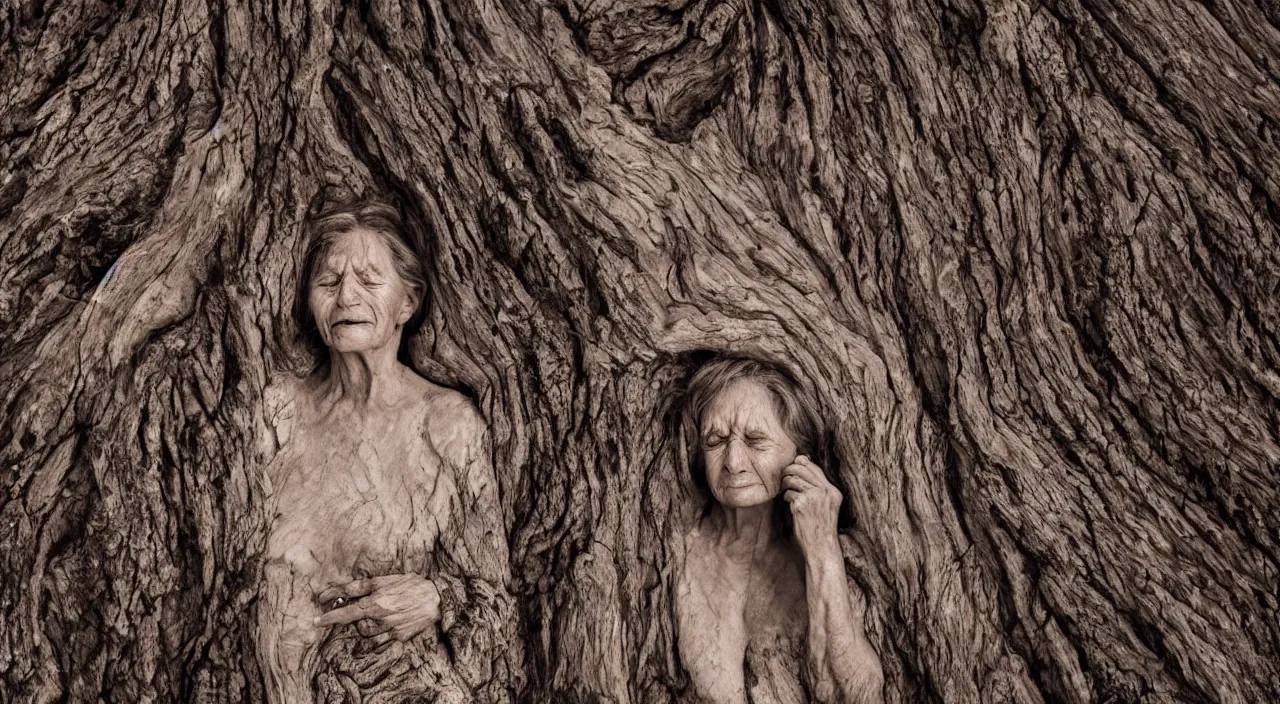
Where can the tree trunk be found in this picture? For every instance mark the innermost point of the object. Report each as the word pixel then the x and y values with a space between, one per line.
pixel 1026 255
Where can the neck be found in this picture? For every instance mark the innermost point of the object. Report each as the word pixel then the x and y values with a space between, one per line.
pixel 364 378
pixel 744 531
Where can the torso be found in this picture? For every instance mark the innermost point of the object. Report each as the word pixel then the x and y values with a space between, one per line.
pixel 741 625
pixel 351 496
pixel 345 496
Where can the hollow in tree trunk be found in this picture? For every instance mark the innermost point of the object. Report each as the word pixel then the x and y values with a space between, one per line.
pixel 1025 255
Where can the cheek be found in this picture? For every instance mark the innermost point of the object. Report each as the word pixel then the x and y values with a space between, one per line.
pixel 389 303
pixel 769 466
pixel 319 305
pixel 713 463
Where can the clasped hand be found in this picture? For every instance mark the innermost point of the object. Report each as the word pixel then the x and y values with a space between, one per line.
pixel 398 606
pixel 815 508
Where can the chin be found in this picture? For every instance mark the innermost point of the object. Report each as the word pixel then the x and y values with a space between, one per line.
pixel 349 347
pixel 353 347
pixel 353 341
pixel 745 497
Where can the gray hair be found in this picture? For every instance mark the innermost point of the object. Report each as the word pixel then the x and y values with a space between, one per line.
pixel 798 415
pixel 795 409
pixel 323 230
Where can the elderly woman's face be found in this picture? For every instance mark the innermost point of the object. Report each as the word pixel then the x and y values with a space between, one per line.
pixel 744 445
pixel 357 298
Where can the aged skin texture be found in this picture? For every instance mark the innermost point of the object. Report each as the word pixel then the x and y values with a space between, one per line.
pixel 764 612
pixel 385 535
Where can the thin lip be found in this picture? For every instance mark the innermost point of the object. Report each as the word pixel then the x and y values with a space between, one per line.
pixel 352 322
pixel 740 485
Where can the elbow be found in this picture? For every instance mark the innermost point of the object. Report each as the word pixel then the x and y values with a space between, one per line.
pixel 871 688
pixel 863 686
pixel 875 695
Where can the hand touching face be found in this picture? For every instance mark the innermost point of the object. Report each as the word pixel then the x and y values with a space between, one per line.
pixel 744 445
pixel 358 300
pixel 815 508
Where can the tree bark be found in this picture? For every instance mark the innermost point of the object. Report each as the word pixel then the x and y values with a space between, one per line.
pixel 1026 255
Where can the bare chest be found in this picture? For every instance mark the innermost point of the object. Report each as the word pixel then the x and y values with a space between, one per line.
pixel 356 502
pixel 736 623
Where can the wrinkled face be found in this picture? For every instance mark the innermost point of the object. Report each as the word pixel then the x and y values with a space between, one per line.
pixel 744 445
pixel 358 300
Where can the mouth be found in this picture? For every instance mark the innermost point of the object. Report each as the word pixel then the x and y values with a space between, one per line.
pixel 740 484
pixel 341 323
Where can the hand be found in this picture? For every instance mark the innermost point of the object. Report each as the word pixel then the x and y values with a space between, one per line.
pixel 815 508
pixel 398 606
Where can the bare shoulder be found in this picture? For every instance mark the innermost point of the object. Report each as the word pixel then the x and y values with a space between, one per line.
pixel 453 425
pixel 694 544
pixel 281 400
pixel 282 391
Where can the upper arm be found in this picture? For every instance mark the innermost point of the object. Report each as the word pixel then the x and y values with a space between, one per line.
pixel 460 436
pixel 279 406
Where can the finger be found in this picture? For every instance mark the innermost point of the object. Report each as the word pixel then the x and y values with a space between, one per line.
pixel 797 482
pixel 800 467
pixel 790 496
pixel 801 479
pixel 806 468
pixel 351 590
pixel 371 627
pixel 381 639
pixel 346 614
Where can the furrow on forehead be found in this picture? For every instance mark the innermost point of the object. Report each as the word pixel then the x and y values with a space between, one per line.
pixel 369 248
pixel 751 405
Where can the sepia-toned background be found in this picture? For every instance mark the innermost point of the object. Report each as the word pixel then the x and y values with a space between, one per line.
pixel 1026 254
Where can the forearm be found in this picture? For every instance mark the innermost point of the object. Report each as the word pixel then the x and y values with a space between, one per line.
pixel 477 613
pixel 282 672
pixel 843 667
pixel 286 646
pixel 477 618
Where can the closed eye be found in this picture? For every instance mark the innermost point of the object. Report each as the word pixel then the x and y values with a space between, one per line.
pixel 713 440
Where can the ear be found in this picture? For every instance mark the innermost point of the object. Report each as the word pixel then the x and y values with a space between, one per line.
pixel 407 308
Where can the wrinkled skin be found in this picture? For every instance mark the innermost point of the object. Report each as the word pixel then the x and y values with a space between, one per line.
pixel 756 607
pixel 378 472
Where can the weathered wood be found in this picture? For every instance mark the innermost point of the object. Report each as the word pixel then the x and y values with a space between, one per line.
pixel 1025 254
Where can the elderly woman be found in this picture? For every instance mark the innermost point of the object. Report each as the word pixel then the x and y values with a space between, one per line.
pixel 386 559
pixel 763 609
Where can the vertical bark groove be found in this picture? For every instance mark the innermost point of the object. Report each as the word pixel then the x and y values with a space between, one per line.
pixel 1023 254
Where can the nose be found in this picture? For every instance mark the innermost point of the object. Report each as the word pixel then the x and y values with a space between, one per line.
pixel 346 292
pixel 735 456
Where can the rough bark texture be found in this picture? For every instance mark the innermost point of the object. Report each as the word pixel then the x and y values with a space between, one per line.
pixel 1026 254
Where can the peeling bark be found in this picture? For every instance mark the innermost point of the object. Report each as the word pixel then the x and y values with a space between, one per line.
pixel 1026 256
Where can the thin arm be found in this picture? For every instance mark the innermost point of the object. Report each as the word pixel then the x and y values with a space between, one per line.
pixel 477 612
pixel 843 667
pixel 287 643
